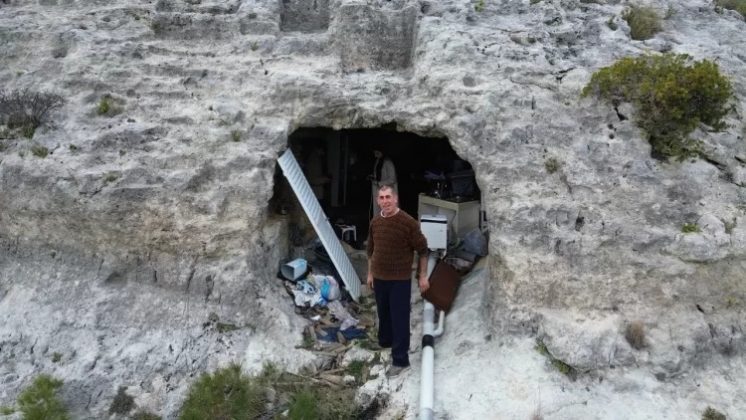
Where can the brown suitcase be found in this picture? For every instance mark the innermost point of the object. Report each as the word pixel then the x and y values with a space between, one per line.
pixel 444 283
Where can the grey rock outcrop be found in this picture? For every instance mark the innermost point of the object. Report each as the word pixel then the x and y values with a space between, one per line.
pixel 117 247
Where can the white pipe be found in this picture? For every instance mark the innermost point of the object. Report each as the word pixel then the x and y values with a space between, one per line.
pixel 428 353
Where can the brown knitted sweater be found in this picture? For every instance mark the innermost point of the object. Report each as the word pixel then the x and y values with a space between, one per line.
pixel 390 245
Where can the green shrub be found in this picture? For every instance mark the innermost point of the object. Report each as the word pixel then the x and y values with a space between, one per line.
pixel 712 414
pixel 145 415
pixel 225 327
pixel 479 6
pixel 643 22
pixel 39 151
pixel 635 334
pixel 107 106
pixel 39 400
pixel 6 411
pixel 225 394
pixel 320 403
pixel 611 24
pixel 690 228
pixel 110 177
pixel 552 165
pixel 303 406
pixel 737 5
pixel 556 363
pixel 236 135
pixel 672 97
pixel 357 368
pixel 28 131
pixel 103 106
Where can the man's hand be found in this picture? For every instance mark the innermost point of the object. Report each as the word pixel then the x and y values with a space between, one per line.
pixel 370 281
pixel 424 284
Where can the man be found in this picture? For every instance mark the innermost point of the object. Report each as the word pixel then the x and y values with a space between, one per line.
pixel 394 236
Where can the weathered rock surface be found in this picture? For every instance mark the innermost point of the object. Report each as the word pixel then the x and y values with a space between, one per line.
pixel 116 247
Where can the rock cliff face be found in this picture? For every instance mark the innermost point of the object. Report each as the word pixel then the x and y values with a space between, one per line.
pixel 146 230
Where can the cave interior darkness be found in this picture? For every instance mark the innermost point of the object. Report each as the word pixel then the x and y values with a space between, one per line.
pixel 345 159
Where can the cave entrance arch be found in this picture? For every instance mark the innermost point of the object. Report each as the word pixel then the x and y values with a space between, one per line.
pixel 431 178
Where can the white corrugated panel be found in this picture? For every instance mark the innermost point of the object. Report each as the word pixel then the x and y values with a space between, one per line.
pixel 311 206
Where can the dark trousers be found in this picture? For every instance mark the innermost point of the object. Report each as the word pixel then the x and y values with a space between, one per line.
pixel 393 304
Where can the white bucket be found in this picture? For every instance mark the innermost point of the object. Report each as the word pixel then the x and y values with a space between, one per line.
pixel 294 269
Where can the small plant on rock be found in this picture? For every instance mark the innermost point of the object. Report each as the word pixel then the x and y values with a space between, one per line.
pixel 612 24
pixel 672 96
pixel 110 177
pixel 737 5
pixel 643 22
pixel 107 106
pixel 690 228
pixel 226 327
pixel 236 135
pixel 556 363
pixel 225 394
pixel 712 414
pixel 304 406
pixel 28 131
pixel 635 334
pixel 356 368
pixel 123 403
pixel 39 151
pixel 56 357
pixel 26 110
pixel 552 165
pixel 145 415
pixel 39 400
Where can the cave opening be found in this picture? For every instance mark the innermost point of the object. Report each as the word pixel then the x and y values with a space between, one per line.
pixel 342 167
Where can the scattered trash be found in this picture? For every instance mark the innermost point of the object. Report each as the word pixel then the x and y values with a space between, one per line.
pixel 332 334
pixel 336 324
pixel 327 285
pixel 294 269
pixel 343 315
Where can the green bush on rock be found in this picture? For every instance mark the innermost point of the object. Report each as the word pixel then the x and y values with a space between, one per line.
pixel 229 394
pixel 39 400
pixel 672 96
pixel 737 5
pixel 643 22
pixel 225 394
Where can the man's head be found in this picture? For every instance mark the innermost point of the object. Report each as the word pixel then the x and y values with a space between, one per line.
pixel 378 154
pixel 387 199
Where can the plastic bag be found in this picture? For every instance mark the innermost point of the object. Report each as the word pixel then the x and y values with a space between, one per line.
pixel 328 287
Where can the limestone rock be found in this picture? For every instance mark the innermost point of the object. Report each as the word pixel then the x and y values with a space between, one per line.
pixel 118 245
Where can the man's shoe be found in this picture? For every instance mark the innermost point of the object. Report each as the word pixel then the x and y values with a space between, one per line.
pixel 394 371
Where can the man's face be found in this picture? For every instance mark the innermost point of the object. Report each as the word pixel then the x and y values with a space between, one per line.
pixel 387 200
